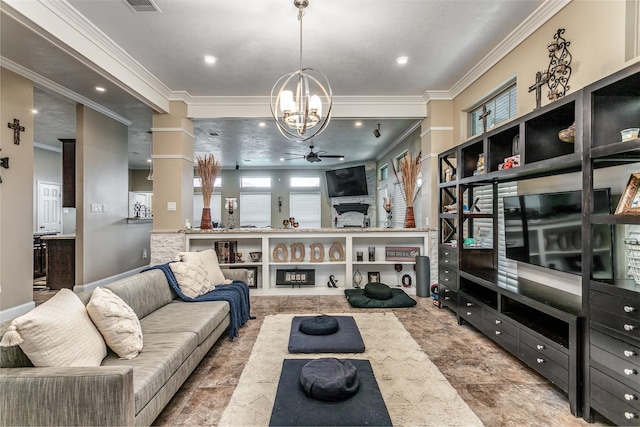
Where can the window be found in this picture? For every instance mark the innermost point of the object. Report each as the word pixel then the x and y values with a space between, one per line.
pixel 197 182
pixel 399 206
pixel 383 173
pixel 304 181
pixel 306 209
pixel 255 209
pixel 383 193
pixel 255 182
pixel 216 208
pixel 396 160
pixel 502 106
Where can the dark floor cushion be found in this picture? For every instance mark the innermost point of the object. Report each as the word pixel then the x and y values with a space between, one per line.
pixel 378 291
pixel 329 379
pixel 346 340
pixel 319 325
pixel 358 299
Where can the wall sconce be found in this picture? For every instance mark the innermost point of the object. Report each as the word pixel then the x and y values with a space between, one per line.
pixel 279 203
pixel 357 278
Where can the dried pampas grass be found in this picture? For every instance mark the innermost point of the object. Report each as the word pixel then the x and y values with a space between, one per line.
pixel 208 170
pixel 409 170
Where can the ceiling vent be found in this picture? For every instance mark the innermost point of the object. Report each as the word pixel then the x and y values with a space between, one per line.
pixel 213 133
pixel 142 5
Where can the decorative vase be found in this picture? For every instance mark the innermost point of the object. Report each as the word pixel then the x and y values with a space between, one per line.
pixel 409 220
pixel 205 222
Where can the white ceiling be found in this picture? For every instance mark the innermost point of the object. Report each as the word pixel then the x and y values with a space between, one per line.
pixel 355 43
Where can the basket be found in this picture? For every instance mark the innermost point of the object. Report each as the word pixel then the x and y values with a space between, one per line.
pixel 632 248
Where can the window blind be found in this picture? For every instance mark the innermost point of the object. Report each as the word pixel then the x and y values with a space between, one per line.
pixel 216 208
pixel 255 209
pixel 306 209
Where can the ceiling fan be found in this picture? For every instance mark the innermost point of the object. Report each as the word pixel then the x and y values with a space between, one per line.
pixel 315 156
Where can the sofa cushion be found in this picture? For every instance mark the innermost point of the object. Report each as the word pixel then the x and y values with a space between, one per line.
pixel 200 318
pixel 192 277
pixel 117 323
pixel 145 292
pixel 210 259
pixel 60 333
pixel 12 357
pixel 161 357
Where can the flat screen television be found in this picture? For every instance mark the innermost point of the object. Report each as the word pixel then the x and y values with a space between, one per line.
pixel 546 230
pixel 351 181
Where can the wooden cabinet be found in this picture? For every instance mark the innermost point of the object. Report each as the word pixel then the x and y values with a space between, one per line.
pixel 61 265
pixel 612 338
pixel 68 173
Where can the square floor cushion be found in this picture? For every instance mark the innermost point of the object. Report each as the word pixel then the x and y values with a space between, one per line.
pixel 399 298
pixel 346 340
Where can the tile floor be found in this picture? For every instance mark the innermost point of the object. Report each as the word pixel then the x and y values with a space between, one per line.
pixel 497 386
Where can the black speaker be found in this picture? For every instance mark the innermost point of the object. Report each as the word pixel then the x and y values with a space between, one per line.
pixel 423 276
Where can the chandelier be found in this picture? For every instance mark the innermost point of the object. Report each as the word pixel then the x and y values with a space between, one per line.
pixel 300 96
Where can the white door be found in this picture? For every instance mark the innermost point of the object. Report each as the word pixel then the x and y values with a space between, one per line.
pixel 49 207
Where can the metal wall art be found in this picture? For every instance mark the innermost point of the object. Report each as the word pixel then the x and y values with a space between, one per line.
pixel 558 72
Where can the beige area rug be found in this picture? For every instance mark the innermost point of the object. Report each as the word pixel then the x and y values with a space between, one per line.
pixel 415 391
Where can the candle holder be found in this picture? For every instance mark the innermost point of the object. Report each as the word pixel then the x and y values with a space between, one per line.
pixel 357 279
pixel 388 207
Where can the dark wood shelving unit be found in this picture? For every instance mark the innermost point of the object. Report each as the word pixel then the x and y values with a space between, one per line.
pixel 547 328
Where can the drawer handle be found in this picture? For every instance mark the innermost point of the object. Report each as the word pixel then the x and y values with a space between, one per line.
pixel 446 291
pixel 447 298
pixel 468 313
pixel 540 360
pixel 629 309
pixel 446 279
pixel 446 271
pixel 630 415
pixel 540 347
pixel 469 304
pixel 498 322
pixel 446 253
pixel 498 333
pixel 628 396
pixel 446 261
pixel 629 353
pixel 628 327
pixel 628 371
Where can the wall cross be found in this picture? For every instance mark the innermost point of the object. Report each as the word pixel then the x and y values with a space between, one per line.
pixel 537 86
pixel 483 117
pixel 16 130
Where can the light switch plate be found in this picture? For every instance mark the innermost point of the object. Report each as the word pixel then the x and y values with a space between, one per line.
pixel 171 206
pixel 96 207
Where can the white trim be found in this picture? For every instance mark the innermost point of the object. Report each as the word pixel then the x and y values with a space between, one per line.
pixel 107 280
pixel 172 157
pixel 399 139
pixel 536 20
pixel 19 310
pixel 436 128
pixel 47 147
pixel 53 87
pixel 183 130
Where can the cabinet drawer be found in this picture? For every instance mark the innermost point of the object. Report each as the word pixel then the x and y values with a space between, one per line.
pixel 617 390
pixel 619 348
pixel 448 256
pixel 557 374
pixel 545 349
pixel 614 409
pixel 622 324
pixel 448 276
pixel 627 307
pixel 620 369
pixel 501 331
pixel 448 297
pixel 470 311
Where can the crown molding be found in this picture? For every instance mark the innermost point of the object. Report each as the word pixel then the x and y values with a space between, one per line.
pixel 47 147
pixel 436 128
pixel 539 17
pixel 172 157
pixel 57 89
pixel 63 26
pixel 399 139
pixel 183 130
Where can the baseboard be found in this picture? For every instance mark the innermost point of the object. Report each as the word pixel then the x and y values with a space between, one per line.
pixel 16 311
pixel 107 280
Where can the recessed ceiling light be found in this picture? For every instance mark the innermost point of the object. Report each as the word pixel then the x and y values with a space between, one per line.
pixel 210 59
pixel 100 89
pixel 402 60
pixel 34 111
pixel 341 158
pixel 262 124
pixel 358 124
pixel 282 159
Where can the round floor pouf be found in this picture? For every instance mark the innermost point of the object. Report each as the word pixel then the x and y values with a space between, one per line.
pixel 378 291
pixel 319 325
pixel 329 379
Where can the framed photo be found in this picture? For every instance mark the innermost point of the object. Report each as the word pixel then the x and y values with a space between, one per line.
pixel 373 277
pixel 252 277
pixel 629 203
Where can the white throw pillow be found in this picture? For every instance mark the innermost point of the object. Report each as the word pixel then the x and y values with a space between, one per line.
pixel 59 333
pixel 117 322
pixel 210 260
pixel 192 278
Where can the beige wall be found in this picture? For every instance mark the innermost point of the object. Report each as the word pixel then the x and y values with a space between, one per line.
pixel 596 32
pixel 16 202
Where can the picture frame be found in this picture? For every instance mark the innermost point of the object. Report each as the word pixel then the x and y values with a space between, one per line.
pixel 373 277
pixel 252 279
pixel 629 203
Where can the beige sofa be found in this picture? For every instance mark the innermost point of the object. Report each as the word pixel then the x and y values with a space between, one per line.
pixel 177 335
